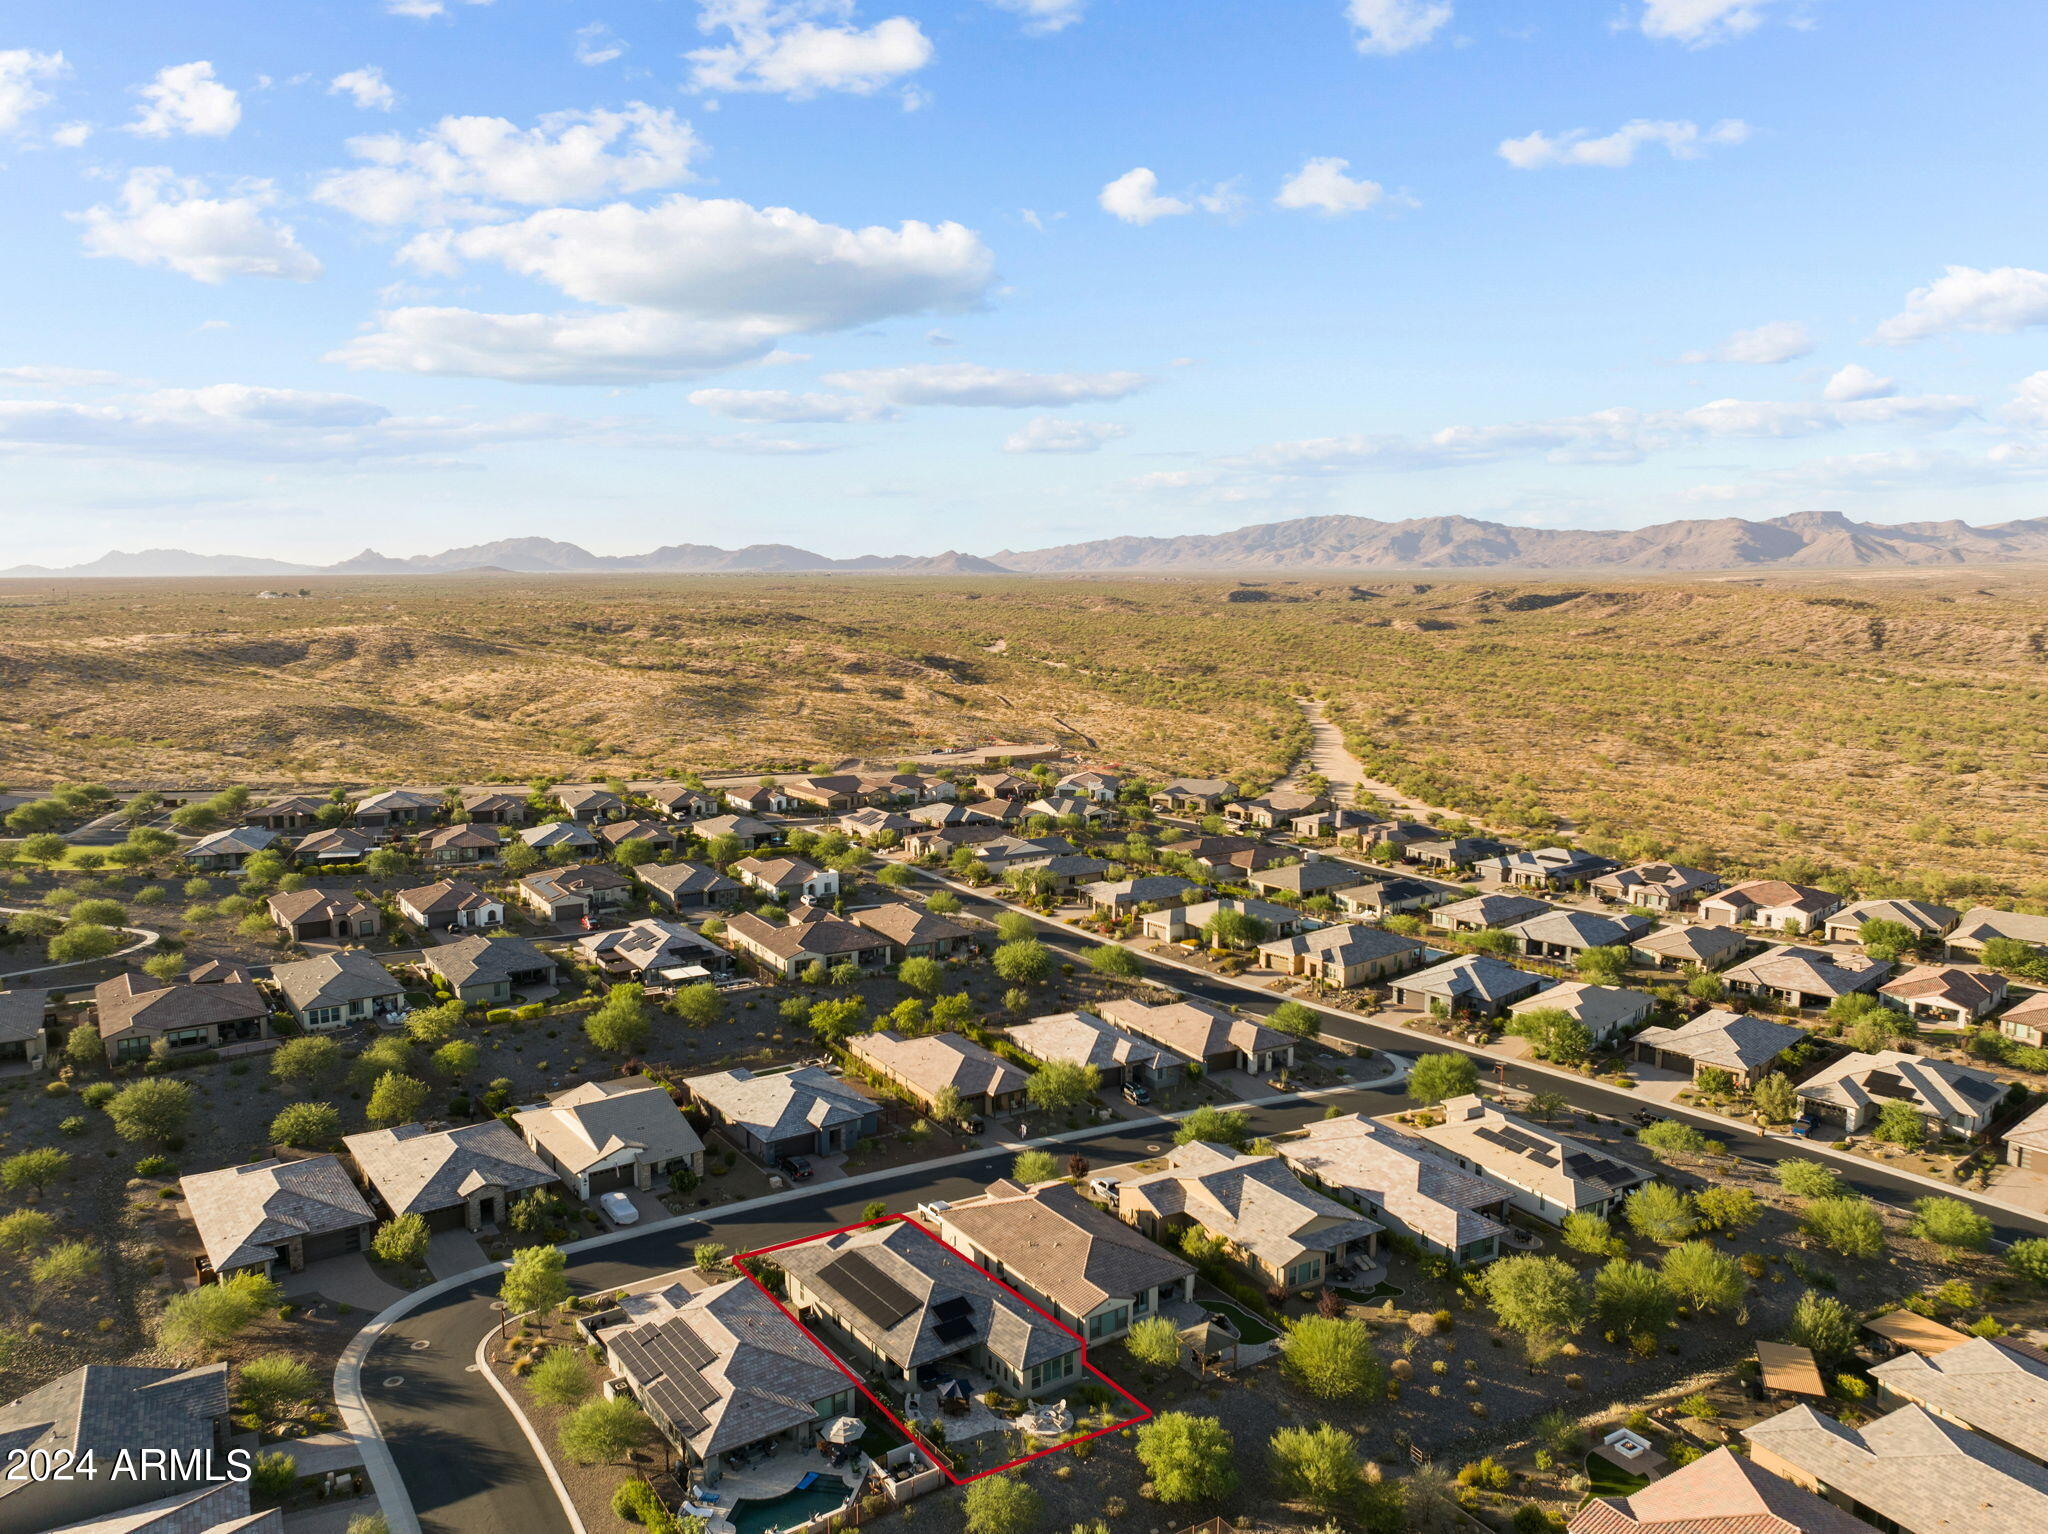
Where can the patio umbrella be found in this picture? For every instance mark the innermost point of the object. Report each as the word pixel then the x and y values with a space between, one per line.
pixel 953 1389
pixel 844 1430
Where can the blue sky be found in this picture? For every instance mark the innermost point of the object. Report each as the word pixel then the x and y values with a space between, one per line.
pixel 296 279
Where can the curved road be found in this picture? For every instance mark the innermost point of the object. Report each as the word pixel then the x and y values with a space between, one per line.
pixel 144 937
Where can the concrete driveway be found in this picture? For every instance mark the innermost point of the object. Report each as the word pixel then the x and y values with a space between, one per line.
pixel 450 1252
pixel 348 1280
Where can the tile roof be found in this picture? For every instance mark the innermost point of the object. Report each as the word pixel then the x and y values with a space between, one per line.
pixel 1525 1155
pixel 935 1061
pixel 910 926
pixel 443 837
pixel 220 1508
pixel 1671 879
pixel 1082 1038
pixel 1408 1179
pixel 236 839
pixel 1477 976
pixel 338 843
pixel 2031 1132
pixel 415 1169
pixel 715 826
pixel 1731 1040
pixel 21 1015
pixel 1999 1390
pixel 1966 988
pixel 1810 971
pixel 1775 895
pixel 1142 890
pixel 445 895
pixel 1254 1202
pixel 578 881
pixel 1345 943
pixel 1926 1475
pixel 1491 910
pixel 782 873
pixel 674 879
pixel 597 1120
pixel 1311 878
pixel 1921 915
pixel 1580 929
pixel 135 1002
pixel 472 959
pixel 332 979
pixel 244 1213
pixel 106 1408
pixel 1062 1246
pixel 1719 1493
pixel 1602 1008
pixel 782 1104
pixel 808 930
pixel 1984 922
pixel 1700 943
pixel 1859 1080
pixel 298 906
pixel 1194 1029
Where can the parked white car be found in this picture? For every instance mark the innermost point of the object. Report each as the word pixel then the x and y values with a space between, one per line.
pixel 619 1208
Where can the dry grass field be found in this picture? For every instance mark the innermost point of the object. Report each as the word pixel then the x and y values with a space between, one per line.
pixel 1893 721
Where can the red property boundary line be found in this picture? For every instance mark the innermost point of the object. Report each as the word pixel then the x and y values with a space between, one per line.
pixel 1144 1412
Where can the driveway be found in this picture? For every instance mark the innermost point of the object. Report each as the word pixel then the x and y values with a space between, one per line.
pixel 450 1252
pixel 348 1280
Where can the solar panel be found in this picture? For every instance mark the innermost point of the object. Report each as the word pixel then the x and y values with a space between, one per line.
pixel 953 1309
pixel 880 1299
pixel 955 1330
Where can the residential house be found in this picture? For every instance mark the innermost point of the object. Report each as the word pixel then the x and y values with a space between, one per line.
pixel 486 971
pixel 1945 995
pixel 1273 1224
pixel 602 1135
pixel 1953 1098
pixel 1063 807
pixel 916 933
pixel 778 1114
pixel 723 1372
pixel 925 1067
pixel 1772 904
pixel 1345 956
pixel 304 915
pixel 900 1302
pixel 988 841
pixel 1719 1493
pixel 1922 918
pixel 654 952
pixel 1324 876
pixel 1474 983
pixel 2026 1143
pixel 1663 887
pixel 1123 897
pixel 1396 836
pixel 338 990
pixel 226 851
pixel 1176 923
pixel 24 1038
pixel 834 794
pixel 2026 1021
pixel 1230 857
pixel 1805 978
pixel 450 905
pixel 1064 871
pixel 682 802
pixel 1553 1175
pixel 461 1178
pixel 750 833
pixel 219 1507
pixel 1604 1010
pixel 1102 787
pixel 1193 796
pixel 496 807
pixel 1482 911
pixel 458 846
pixel 137 1010
pixel 1543 868
pixel 1117 1055
pixel 1907 1471
pixel 1564 935
pixel 757 799
pixel 689 886
pixel 1335 823
pixel 219 972
pixel 557 835
pixel 577 892
pixel 290 814
pixel 1395 897
pixel 1004 785
pixel 996 813
pixel 340 844
pixel 586 802
pixel 1460 854
pixel 1195 1030
pixel 659 835
pixel 96 1414
pixel 1095 1274
pixel 1404 1184
pixel 1692 945
pixel 1273 809
pixel 1747 1047
pixel 397 807
pixel 277 1216
pixel 871 822
pixel 810 936
pixel 788 878
pixel 1997 1389
pixel 1980 924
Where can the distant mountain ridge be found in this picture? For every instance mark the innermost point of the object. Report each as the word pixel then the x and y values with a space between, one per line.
pixel 1803 539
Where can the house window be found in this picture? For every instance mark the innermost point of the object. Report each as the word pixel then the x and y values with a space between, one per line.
pixel 1141 1304
pixel 1305 1271
pixel 1052 1369
pixel 1109 1321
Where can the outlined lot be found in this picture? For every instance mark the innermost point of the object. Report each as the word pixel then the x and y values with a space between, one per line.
pixel 1141 1412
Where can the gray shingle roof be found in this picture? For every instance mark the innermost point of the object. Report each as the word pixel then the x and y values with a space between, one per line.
pixel 415 1169
pixel 244 1213
pixel 782 1104
pixel 133 1001
pixel 1254 1202
pixel 1081 1038
pixel 674 879
pixel 1194 1028
pixel 1474 976
pixel 1063 1246
pixel 106 1408
pixel 21 1015
pixel 2000 1390
pixel 935 1061
pixel 472 959
pixel 333 979
pixel 1408 1179
pixel 1731 1040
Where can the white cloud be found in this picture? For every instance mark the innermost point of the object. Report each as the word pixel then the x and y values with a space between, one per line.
pixel 70 135
pixel 1779 341
pixel 598 44
pixel 969 383
pixel 691 285
pixel 423 10
pixel 1043 17
pixel 167 220
pixel 1395 26
pixel 1321 184
pixel 1050 434
pixel 57 377
pixel 20 94
pixel 1996 302
pixel 797 48
pixel 470 167
pixel 1700 23
pixel 787 407
pixel 1134 198
pixel 1856 382
pixel 2029 405
pixel 366 87
pixel 185 98
pixel 1683 140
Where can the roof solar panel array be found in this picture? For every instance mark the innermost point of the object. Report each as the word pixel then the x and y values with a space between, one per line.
pixel 879 1298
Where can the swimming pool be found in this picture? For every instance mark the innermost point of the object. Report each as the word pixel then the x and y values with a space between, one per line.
pixel 792 1507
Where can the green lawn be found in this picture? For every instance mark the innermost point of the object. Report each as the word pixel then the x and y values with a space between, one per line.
pixel 1607 1479
pixel 1250 1328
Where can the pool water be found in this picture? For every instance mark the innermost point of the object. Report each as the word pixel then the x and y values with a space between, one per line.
pixel 792 1507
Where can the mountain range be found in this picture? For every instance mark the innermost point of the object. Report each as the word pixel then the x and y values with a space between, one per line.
pixel 1805 539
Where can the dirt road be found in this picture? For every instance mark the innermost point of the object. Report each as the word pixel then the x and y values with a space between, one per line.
pixel 1328 755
